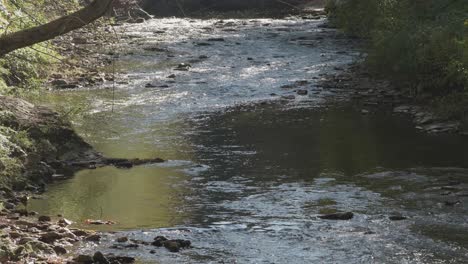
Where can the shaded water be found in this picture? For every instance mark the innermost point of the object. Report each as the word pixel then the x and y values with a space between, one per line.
pixel 248 172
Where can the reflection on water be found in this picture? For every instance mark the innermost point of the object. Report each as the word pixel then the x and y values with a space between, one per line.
pixel 247 177
pixel 143 197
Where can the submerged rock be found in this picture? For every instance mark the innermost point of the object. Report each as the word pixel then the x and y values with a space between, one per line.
pixel 85 259
pixel 100 258
pixel 159 241
pixel 397 217
pixel 338 216
pixel 122 239
pixel 176 245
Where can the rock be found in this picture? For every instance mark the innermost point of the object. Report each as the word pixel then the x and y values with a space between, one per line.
pixel 85 259
pixel 64 222
pixel 452 203
pixel 250 59
pixel 25 240
pixel 159 241
pixel 397 217
pixel 172 245
pixel 40 247
pixel 99 258
pixel 59 250
pixel 50 237
pixel 59 82
pixel 172 76
pixel 183 67
pixel 302 92
pixel 216 39
pixel 8 205
pixel 338 216
pixel 184 243
pixel 94 238
pixel 150 85
pixel 44 218
pixel 80 233
pixel 202 44
pixel 203 57
pixel 102 222
pixel 122 239
pixel 19 252
pixel 15 234
pixel 80 40
pixel 121 259
pixel 176 244
pixel 56 76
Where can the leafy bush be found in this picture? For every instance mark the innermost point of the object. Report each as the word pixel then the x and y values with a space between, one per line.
pixel 26 68
pixel 421 45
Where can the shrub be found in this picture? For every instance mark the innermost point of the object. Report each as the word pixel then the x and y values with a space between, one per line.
pixel 420 45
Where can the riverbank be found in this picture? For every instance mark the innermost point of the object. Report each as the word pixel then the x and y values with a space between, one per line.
pixel 370 94
pixel 419 49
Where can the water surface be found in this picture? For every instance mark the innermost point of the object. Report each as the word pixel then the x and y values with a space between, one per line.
pixel 249 171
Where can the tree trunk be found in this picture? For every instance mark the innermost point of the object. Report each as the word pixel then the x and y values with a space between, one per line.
pixel 60 26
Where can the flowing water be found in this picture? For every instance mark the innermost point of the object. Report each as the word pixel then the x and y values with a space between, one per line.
pixel 249 167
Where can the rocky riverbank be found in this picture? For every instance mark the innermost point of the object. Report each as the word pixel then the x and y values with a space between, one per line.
pixel 369 94
pixel 38 147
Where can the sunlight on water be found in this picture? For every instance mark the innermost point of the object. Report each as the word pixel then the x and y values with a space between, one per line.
pixel 248 170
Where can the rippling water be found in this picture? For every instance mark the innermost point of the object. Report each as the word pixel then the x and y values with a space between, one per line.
pixel 249 172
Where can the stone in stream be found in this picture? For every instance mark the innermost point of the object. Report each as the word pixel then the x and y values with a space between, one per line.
pixel 397 217
pixel 176 244
pixel 172 76
pixel 44 218
pixel 302 92
pixel 50 237
pixel 172 245
pixel 64 222
pixel 122 239
pixel 203 44
pixel 120 259
pixel 100 258
pixel 159 241
pixel 183 67
pixel 452 203
pixel 216 39
pixel 94 238
pixel 150 85
pixel 59 250
pixel 338 216
pixel 85 259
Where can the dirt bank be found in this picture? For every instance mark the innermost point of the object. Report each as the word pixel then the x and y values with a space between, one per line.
pixel 38 147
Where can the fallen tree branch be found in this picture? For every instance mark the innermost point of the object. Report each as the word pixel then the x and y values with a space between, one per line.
pixel 60 26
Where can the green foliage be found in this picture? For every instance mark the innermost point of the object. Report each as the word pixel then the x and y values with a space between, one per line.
pixel 421 45
pixel 27 68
